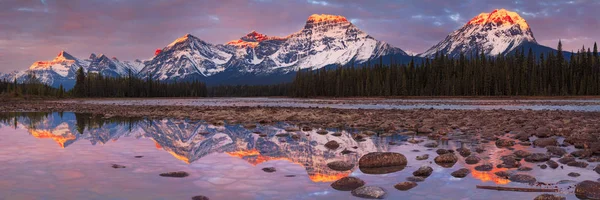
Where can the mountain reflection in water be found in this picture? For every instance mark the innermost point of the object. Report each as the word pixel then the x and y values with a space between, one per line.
pixel 189 141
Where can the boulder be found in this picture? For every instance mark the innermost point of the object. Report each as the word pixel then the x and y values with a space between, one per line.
pixel 522 178
pixel 471 160
pixel 340 165
pixel 504 143
pixel 461 173
pixel 537 157
pixel 544 142
pixel 484 167
pixel 549 197
pixel 369 192
pixel 579 164
pixel 347 184
pixel 552 164
pixel 588 190
pixel 404 186
pixel 566 159
pixel 424 171
pixel 382 162
pixel 446 160
pixel 597 169
pixel 521 153
pixel 554 150
pixel 333 145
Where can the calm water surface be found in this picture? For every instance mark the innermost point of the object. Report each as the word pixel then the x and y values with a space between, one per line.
pixel 590 105
pixel 69 156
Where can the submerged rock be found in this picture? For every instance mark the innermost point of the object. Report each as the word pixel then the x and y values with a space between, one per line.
pixel 116 166
pixel 574 174
pixel 382 162
pixel 347 184
pixel 322 132
pixel 423 157
pixel 431 145
pixel 424 171
pixel 461 173
pixel 369 192
pixel 524 168
pixel 404 186
pixel 269 169
pixel 178 174
pixel 415 178
pixel 588 190
pixel 340 165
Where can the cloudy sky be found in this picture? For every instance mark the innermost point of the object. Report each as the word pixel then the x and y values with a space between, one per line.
pixel 32 30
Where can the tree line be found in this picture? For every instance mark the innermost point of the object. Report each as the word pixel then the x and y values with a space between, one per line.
pixel 97 85
pixel 31 86
pixel 522 73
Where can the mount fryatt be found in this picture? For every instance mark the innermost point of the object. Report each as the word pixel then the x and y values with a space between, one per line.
pixel 325 40
pixel 500 32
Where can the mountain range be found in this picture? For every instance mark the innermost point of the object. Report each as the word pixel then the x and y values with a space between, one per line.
pixel 255 58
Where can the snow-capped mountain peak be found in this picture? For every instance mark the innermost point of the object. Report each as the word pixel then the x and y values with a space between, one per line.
pixel 500 17
pixel 325 40
pixel 495 33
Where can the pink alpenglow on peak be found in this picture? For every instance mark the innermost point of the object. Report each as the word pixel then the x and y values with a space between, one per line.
pixel 500 17
pixel 251 40
pixel 317 18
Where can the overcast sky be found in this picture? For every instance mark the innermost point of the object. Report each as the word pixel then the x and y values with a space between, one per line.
pixel 32 30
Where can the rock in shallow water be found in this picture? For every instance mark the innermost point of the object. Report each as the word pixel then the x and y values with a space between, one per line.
pixel 369 192
pixel 484 167
pixel 424 171
pixel 446 160
pixel 404 186
pixel 178 174
pixel 461 173
pixel 588 190
pixel 116 166
pixel 574 174
pixel 522 178
pixel 549 197
pixel 597 169
pixel 579 164
pixel 544 142
pixel 554 150
pixel 537 157
pixel 423 157
pixel 340 165
pixel 504 143
pixel 382 162
pixel 471 160
pixel 200 197
pixel 269 169
pixel 552 164
pixel 347 184
pixel 332 145
pixel 415 178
